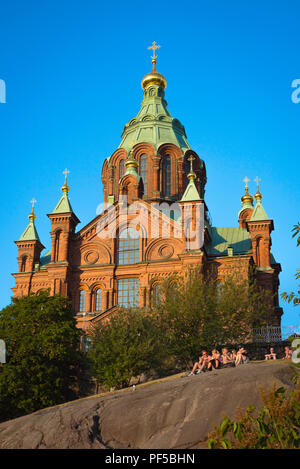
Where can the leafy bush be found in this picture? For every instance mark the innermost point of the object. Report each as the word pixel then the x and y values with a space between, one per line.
pixel 126 345
pixel 43 355
pixel 277 425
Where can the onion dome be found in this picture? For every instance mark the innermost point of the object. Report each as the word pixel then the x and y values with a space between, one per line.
pixel 247 199
pixel 154 78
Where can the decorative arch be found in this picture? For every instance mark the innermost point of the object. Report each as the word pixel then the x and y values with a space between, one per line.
pixel 163 249
pixel 95 252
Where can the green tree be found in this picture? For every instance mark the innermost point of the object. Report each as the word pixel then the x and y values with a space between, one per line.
pixel 126 345
pixel 43 354
pixel 293 296
pixel 198 312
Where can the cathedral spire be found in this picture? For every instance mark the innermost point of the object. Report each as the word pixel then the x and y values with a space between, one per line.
pixel 30 233
pixel 258 195
pixel 259 213
pixel 154 123
pixel 64 205
pixel 191 193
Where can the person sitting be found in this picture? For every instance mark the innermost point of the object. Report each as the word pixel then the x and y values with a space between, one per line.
pixel 241 357
pixel 226 359
pixel 287 353
pixel 271 355
pixel 201 364
pixel 215 360
pixel 233 355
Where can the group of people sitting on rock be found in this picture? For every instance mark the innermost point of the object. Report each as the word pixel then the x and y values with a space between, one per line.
pixel 218 360
pixel 273 356
pixel 228 359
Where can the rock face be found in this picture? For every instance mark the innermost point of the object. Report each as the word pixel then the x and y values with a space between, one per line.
pixel 176 412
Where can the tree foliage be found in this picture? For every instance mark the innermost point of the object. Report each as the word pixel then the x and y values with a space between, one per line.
pixel 194 313
pixel 277 425
pixel 126 345
pixel 197 311
pixel 43 354
pixel 292 297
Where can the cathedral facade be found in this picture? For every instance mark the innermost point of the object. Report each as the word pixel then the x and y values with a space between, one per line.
pixel 154 222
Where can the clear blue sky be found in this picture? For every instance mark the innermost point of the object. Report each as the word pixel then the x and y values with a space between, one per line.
pixel 73 71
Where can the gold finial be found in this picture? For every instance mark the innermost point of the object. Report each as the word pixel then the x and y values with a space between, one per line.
pixel 247 198
pixel 154 78
pixel 32 216
pixel 131 160
pixel 65 187
pixel 191 174
pixel 258 195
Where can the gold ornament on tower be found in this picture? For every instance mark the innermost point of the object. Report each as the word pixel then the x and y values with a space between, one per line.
pixel 154 78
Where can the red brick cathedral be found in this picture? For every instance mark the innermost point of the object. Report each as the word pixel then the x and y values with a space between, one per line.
pixel 155 222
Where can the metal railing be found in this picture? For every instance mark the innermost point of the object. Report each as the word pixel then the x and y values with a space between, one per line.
pixel 271 334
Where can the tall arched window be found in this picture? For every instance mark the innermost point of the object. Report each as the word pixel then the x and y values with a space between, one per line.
pixel 56 245
pixel 167 175
pixel 259 242
pixel 121 169
pixel 129 247
pixel 143 171
pixel 98 300
pixel 23 264
pixel 82 301
pixel 157 295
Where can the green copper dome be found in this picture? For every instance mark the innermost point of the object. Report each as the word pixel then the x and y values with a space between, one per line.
pixel 154 123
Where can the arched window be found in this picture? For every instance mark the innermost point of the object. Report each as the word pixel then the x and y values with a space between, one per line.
pixel 121 169
pixel 143 171
pixel 259 251
pixel 128 252
pixel 23 264
pixel 157 295
pixel 56 245
pixel 98 300
pixel 82 301
pixel 167 175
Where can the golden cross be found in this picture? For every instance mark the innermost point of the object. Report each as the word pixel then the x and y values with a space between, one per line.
pixel 66 172
pixel 257 180
pixel 33 201
pixel 246 180
pixel 154 47
pixel 191 159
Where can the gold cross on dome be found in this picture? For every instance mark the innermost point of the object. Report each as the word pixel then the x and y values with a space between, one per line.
pixel 191 159
pixel 154 47
pixel 246 180
pixel 33 201
pixel 257 180
pixel 66 172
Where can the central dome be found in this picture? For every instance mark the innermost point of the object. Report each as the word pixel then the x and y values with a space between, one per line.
pixel 154 78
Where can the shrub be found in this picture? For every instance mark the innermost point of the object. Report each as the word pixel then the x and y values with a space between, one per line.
pixel 277 425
